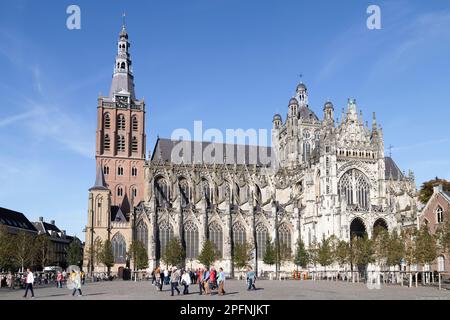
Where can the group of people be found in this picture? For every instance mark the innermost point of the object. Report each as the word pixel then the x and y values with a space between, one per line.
pixel 208 280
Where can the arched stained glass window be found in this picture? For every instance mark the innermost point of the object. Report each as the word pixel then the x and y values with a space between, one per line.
pixel 119 248
pixel 261 239
pixel 142 233
pixel 184 192
pixel 216 237
pixel 191 240
pixel 165 235
pixel 354 187
pixel 239 234
pixel 161 193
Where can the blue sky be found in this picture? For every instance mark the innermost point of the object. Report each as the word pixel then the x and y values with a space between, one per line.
pixel 230 63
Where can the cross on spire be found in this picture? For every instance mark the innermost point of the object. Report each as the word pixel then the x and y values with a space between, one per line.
pixel 390 150
pixel 123 19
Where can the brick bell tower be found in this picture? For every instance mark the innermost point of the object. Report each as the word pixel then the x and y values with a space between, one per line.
pixel 121 140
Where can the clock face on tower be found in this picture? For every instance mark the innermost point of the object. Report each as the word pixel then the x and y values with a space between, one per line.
pixel 121 102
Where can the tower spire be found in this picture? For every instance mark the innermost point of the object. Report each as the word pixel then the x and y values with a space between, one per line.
pixel 123 80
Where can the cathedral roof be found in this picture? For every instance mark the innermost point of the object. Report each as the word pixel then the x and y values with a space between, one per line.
pixel 216 153
pixel 391 168
pixel 307 114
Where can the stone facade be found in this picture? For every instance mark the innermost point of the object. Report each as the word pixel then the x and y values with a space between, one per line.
pixel 325 177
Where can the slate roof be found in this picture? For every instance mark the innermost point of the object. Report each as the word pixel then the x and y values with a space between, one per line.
pixel 232 153
pixel 100 183
pixel 15 219
pixel 391 168
pixel 307 114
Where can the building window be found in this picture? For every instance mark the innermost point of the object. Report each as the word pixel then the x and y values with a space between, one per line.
pixel 120 143
pixel 191 240
pixel 134 172
pixel 165 235
pixel 107 143
pixel 239 236
pixel 135 124
pixel 121 122
pixel 207 193
pixel 284 235
pixel 120 171
pixel 439 215
pixel 216 237
pixel 354 187
pixel 134 192
pixel 142 233
pixel 134 144
pixel 306 151
pixel 262 236
pixel 184 193
pixel 120 192
pixel 119 248
pixel 161 193
pixel 107 121
pixel 105 170
pixel 306 134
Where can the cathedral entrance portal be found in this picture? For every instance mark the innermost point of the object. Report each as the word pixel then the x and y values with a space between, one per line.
pixel 357 228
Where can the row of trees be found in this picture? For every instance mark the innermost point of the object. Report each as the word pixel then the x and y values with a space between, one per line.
pixel 102 253
pixel 24 249
pixel 386 249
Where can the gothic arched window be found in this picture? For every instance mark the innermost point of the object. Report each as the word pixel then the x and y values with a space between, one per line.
pixel 119 248
pixel 119 191
pixel 262 235
pixel 284 234
pixel 120 171
pixel 191 240
pixel 439 215
pixel 184 192
pixel 306 150
pixel 107 121
pixel 206 191
pixel 354 187
pixel 142 233
pixel 120 143
pixel 239 234
pixel 135 124
pixel 107 142
pixel 105 170
pixel 134 172
pixel 161 192
pixel 121 122
pixel 258 195
pixel 165 235
pixel 216 237
pixel 134 144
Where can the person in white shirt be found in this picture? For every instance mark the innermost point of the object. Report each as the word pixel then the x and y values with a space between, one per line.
pixel 29 283
pixel 186 282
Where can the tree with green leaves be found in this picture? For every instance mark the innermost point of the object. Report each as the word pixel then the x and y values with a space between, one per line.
pixel 395 249
pixel 208 255
pixel 301 255
pixel 380 245
pixel 409 237
pixel 426 190
pixel 42 250
pixel 242 255
pixel 23 249
pixel 443 237
pixel 325 253
pixel 426 248
pixel 107 256
pixel 73 253
pixel 285 253
pixel 270 255
pixel 312 253
pixel 6 246
pixel 364 251
pixel 174 254
pixel 139 255
pixel 342 253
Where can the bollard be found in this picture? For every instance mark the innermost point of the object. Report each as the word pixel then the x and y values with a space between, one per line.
pixel 439 279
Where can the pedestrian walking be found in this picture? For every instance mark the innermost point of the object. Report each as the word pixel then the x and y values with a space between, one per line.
pixel 212 280
pixel 221 281
pixel 76 280
pixel 251 277
pixel 166 277
pixel 10 281
pixel 59 279
pixel 201 288
pixel 29 283
pixel 186 282
pixel 205 280
pixel 174 280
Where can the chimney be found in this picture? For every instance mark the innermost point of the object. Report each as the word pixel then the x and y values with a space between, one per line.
pixel 52 222
pixel 41 219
